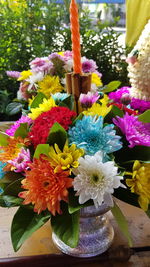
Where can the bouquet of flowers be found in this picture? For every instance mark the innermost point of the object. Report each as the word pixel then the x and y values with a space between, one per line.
pixel 54 161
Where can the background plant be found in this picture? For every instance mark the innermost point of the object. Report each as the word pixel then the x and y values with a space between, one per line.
pixel 30 30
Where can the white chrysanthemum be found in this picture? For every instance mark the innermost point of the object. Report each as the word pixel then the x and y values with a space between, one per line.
pixel 36 77
pixel 96 180
pixel 69 65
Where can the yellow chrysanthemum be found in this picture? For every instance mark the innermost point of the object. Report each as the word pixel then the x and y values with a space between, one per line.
pixel 50 85
pixel 46 105
pixel 25 75
pixel 67 159
pixel 140 183
pixel 30 100
pixel 96 79
pixel 99 109
pixel 61 53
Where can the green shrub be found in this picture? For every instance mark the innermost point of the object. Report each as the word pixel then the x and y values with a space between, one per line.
pixel 40 29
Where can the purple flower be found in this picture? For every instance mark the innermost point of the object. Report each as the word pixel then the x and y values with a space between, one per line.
pixel 140 105
pixel 24 119
pixel 88 65
pixel 54 56
pixel 137 133
pixel 117 95
pixel 13 74
pixel 87 100
pixel 21 161
pixel 41 65
pixel 99 74
pixel 68 54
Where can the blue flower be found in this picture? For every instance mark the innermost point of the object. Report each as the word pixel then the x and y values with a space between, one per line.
pixel 60 96
pixel 2 165
pixel 91 135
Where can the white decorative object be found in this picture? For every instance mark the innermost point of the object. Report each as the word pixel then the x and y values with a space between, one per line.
pixel 139 66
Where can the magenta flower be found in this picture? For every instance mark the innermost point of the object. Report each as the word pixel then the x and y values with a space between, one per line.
pixel 117 95
pixel 140 105
pixel 41 65
pixel 13 74
pixel 87 100
pixel 137 133
pixel 21 162
pixel 88 65
pixel 24 119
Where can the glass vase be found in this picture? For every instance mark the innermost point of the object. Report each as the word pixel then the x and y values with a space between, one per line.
pixel 96 233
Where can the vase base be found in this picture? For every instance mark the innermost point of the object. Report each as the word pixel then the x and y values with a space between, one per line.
pixel 91 243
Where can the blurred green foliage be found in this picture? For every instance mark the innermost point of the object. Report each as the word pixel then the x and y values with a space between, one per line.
pixel 38 29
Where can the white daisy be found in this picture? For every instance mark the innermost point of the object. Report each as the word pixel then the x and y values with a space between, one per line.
pixel 96 180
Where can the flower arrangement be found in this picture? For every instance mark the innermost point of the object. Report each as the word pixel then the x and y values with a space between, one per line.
pixel 79 144
pixel 54 161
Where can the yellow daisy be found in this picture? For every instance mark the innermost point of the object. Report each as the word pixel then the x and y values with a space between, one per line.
pixel 46 105
pixel 140 183
pixel 99 109
pixel 50 85
pixel 25 75
pixel 96 79
pixel 60 53
pixel 67 159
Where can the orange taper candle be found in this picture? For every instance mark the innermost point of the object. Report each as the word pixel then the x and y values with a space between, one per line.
pixel 75 37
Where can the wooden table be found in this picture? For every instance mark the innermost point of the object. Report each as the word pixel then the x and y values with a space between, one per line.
pixel 40 242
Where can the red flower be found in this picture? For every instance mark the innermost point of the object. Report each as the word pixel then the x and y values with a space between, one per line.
pixel 42 125
pixel 124 108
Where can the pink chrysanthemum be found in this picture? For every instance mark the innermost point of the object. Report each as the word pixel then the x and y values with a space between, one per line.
pixel 20 163
pixel 136 132
pixel 42 125
pixel 13 74
pixel 41 65
pixel 87 100
pixel 88 65
pixel 15 126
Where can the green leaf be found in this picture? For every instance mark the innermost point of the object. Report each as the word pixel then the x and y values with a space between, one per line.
pixel 111 86
pixel 10 201
pixel 66 227
pixel 74 205
pixel 57 135
pixel 38 100
pixel 145 117
pixel 13 108
pixel 24 223
pixel 3 139
pixel 117 111
pixel 80 116
pixel 67 102
pixel 41 149
pixel 9 177
pixel 122 222
pixel 14 188
pixel 22 130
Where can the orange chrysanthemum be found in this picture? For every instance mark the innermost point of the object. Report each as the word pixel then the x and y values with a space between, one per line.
pixel 13 148
pixel 45 188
